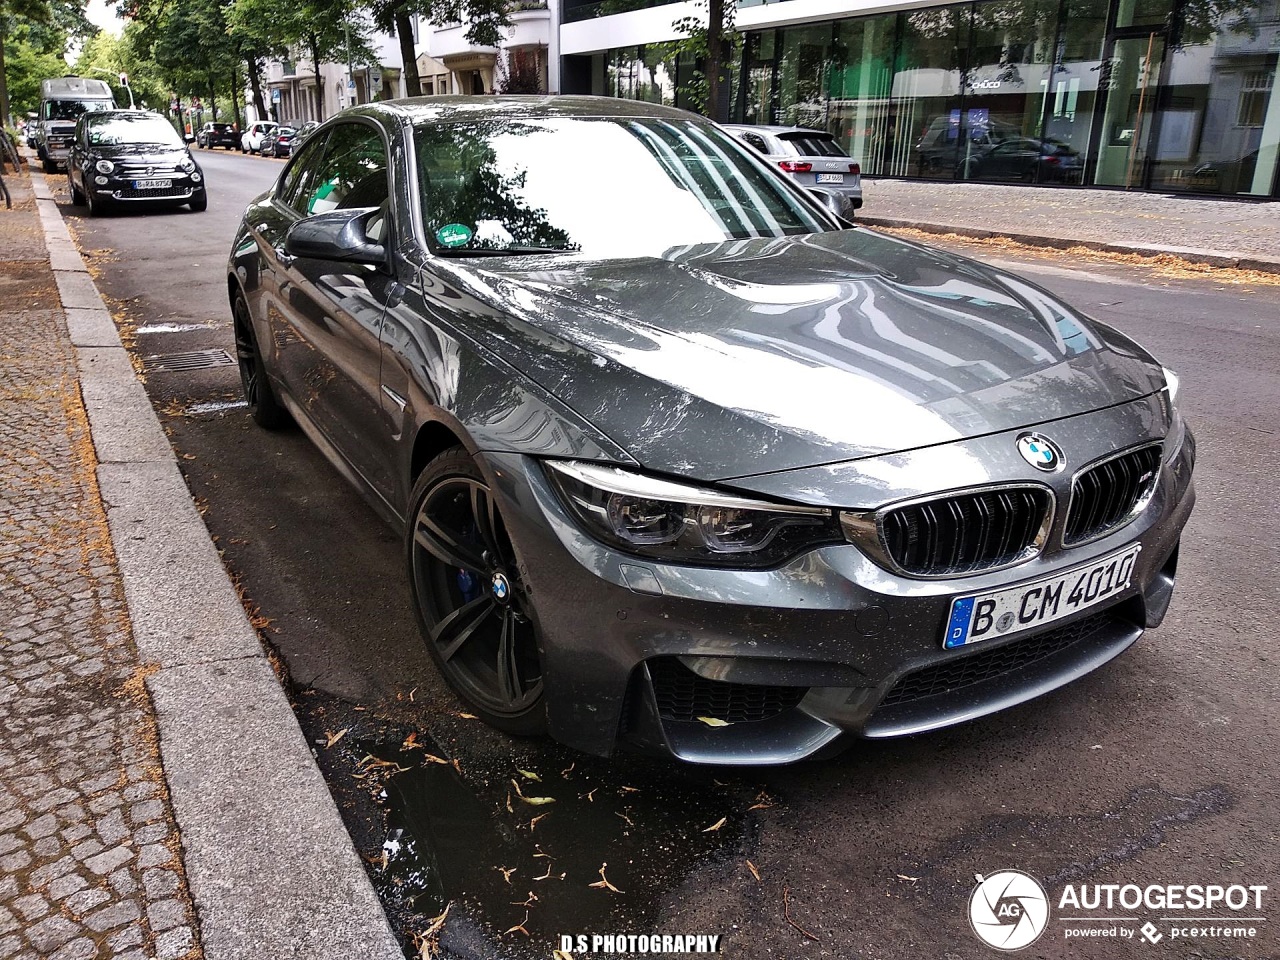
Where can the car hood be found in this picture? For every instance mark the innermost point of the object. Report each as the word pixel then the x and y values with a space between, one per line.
pixel 746 357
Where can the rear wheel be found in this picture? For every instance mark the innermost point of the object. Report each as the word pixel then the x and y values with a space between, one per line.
pixel 263 405
pixel 473 603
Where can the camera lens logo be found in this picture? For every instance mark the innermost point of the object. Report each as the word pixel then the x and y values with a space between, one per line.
pixel 1008 910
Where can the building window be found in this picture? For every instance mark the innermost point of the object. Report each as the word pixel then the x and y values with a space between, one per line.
pixel 1254 94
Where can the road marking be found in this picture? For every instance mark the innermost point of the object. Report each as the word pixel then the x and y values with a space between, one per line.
pixel 174 327
pixel 216 406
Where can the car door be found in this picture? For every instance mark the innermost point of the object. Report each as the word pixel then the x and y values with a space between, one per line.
pixel 333 311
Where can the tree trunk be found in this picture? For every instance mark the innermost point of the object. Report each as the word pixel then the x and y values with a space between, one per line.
pixel 315 64
pixel 255 84
pixel 213 97
pixel 404 29
pixel 4 82
pixel 235 98
pixel 715 56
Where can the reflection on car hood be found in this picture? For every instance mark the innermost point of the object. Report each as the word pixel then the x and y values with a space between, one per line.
pixel 733 359
pixel 145 153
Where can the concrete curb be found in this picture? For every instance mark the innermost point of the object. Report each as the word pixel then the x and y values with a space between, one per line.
pixel 1212 258
pixel 271 868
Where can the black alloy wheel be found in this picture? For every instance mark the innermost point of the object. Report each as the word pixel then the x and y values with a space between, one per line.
pixel 77 197
pixel 472 601
pixel 264 408
pixel 97 206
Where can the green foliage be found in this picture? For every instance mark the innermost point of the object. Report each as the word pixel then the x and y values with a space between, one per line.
pixel 26 64
pixel 696 46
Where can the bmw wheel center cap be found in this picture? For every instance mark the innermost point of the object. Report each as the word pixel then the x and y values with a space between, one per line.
pixel 1041 452
pixel 501 587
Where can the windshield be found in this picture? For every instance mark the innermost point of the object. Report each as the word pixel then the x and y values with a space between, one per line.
pixel 813 144
pixel 606 188
pixel 71 109
pixel 119 130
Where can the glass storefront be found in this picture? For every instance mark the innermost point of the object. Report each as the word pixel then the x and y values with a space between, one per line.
pixel 1169 95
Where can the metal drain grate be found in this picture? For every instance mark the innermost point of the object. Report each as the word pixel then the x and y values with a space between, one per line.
pixel 195 360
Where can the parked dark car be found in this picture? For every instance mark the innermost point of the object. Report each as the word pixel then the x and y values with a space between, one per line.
pixel 304 130
pixel 693 466
pixel 278 142
pixel 132 156
pixel 946 143
pixel 1025 159
pixel 213 135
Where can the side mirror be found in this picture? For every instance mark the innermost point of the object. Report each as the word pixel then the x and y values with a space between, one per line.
pixel 834 201
pixel 340 235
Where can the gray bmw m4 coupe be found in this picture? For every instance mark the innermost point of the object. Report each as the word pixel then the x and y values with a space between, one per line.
pixel 682 462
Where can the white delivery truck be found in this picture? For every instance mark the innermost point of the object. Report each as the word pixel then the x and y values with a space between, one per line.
pixel 62 101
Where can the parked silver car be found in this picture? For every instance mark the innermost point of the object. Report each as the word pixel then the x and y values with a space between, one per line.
pixel 813 158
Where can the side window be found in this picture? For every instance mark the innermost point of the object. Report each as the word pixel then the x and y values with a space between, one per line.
pixel 353 172
pixel 300 175
pixel 756 141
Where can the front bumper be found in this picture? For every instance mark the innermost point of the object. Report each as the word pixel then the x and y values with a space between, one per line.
pixel 803 656
pixel 121 190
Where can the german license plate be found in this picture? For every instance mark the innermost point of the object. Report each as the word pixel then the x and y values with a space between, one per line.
pixel 1003 613
pixel 152 184
pixel 831 178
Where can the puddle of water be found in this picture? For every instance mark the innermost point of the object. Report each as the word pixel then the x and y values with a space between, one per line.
pixel 506 850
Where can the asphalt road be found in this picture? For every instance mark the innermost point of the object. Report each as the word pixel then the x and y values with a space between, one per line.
pixel 1160 768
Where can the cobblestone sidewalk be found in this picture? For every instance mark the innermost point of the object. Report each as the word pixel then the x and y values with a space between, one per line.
pixel 89 864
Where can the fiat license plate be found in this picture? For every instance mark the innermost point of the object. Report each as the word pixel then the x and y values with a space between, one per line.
pixel 1003 613
pixel 831 178
pixel 152 184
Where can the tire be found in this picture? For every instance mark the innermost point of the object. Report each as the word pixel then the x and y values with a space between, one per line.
pixel 77 198
pixel 264 408
pixel 199 202
pixel 50 166
pixel 485 643
pixel 97 206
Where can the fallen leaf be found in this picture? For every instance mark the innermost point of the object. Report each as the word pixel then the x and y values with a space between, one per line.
pixel 332 738
pixel 624 817
pixel 628 789
pixel 754 872
pixel 591 795
pixel 714 721
pixel 432 758
pixel 510 809
pixel 468 716
pixel 560 955
pixel 457 767
pixel 786 914
pixel 603 883
pixel 538 801
pixel 519 927
pixel 533 824
pixel 411 743
pixel 569 769
pixel 903 876
pixel 506 872
pixel 717 825
pixel 529 775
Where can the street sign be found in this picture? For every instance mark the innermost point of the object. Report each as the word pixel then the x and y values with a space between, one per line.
pixel 275 95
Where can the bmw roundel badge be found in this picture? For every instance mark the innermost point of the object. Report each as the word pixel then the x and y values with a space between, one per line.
pixel 1041 452
pixel 501 587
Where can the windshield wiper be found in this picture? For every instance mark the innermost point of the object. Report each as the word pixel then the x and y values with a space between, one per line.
pixel 497 251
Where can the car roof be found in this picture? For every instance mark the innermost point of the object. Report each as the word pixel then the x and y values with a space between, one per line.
pixel 416 109
pixel 776 131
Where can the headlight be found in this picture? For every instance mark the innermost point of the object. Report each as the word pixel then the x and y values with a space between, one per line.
pixel 186 165
pixel 1171 383
pixel 663 520
pixel 104 166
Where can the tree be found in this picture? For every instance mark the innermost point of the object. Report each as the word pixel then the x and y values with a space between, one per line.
pixel 707 42
pixel 46 26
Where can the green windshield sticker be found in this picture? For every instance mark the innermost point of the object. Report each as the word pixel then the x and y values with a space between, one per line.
pixel 453 235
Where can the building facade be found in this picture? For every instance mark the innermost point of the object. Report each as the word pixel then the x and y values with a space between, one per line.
pixel 1164 95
